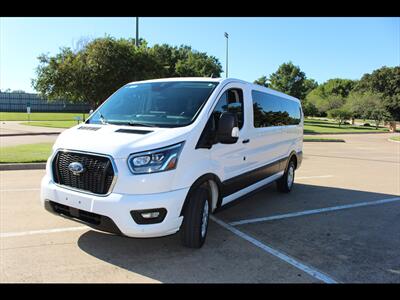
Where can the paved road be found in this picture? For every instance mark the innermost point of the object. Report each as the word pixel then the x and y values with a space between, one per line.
pixel 341 223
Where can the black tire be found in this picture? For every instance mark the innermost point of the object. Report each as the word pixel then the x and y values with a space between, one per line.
pixel 283 184
pixel 191 232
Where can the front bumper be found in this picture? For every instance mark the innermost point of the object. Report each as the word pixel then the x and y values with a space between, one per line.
pixel 112 213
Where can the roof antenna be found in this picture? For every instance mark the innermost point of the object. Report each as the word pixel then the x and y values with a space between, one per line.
pixel 212 74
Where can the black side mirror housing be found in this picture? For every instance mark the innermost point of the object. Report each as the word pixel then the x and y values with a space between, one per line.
pixel 228 131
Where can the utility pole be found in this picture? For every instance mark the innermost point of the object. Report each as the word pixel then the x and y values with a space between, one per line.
pixel 226 68
pixel 137 32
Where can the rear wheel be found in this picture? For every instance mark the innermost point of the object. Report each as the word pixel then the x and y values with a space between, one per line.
pixel 285 183
pixel 195 218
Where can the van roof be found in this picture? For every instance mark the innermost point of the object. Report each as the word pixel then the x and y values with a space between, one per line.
pixel 221 80
pixel 208 79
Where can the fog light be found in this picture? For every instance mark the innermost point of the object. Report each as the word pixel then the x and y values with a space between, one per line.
pixel 150 215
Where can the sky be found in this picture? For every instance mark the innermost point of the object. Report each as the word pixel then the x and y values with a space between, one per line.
pixel 323 47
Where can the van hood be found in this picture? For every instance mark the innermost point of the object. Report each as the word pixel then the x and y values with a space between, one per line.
pixel 118 141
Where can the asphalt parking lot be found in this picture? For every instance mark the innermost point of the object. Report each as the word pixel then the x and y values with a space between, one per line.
pixel 341 223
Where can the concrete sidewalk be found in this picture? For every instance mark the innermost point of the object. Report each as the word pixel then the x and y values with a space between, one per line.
pixel 12 134
pixel 14 128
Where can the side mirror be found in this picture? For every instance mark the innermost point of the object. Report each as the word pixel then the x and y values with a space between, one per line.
pixel 228 130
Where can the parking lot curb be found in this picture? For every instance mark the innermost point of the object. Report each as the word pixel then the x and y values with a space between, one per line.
pixel 393 141
pixel 30 133
pixel 23 166
pixel 324 141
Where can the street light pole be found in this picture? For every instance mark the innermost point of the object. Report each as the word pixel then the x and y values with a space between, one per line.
pixel 137 32
pixel 226 68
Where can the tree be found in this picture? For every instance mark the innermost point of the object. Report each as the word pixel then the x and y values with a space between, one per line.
pixel 289 79
pixel 198 64
pixel 91 74
pixel 309 109
pixel 185 62
pixel 368 105
pixel 99 67
pixel 378 114
pixel 263 81
pixel 330 102
pixel 331 94
pixel 309 85
pixel 339 114
pixel 384 81
pixel 356 104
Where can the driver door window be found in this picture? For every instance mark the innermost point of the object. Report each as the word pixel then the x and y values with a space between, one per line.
pixel 230 101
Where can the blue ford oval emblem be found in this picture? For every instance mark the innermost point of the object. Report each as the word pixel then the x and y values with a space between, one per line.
pixel 76 168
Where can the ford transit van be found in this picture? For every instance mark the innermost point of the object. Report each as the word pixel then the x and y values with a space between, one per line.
pixel 159 156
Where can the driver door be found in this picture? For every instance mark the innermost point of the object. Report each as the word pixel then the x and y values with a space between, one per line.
pixel 232 157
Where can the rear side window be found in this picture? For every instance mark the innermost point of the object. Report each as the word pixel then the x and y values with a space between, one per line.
pixel 270 110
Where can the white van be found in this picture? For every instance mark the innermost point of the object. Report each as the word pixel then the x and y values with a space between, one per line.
pixel 160 155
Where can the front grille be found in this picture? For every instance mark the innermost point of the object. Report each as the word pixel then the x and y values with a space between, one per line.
pixel 97 176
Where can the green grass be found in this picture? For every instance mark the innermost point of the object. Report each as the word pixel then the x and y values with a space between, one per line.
pixel 37 116
pixel 54 124
pixel 317 126
pixel 395 138
pixel 310 139
pixel 25 153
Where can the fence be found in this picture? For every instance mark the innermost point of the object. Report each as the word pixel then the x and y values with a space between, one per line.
pixel 17 102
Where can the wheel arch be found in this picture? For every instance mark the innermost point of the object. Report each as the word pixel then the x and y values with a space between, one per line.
pixel 292 156
pixel 214 187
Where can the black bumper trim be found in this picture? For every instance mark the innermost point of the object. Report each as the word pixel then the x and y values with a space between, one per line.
pixel 90 219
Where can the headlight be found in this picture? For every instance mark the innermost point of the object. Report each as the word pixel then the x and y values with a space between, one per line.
pixel 157 160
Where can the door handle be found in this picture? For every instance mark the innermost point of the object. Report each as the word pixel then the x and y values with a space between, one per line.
pixel 246 141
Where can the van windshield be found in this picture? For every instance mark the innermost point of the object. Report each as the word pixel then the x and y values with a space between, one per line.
pixel 156 104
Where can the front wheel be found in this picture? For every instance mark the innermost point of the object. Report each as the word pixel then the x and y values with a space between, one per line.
pixel 195 219
pixel 285 183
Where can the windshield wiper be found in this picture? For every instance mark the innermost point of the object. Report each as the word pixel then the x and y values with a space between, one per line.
pixel 131 123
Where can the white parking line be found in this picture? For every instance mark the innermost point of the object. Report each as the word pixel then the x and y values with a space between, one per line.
pixel 20 190
pixel 310 177
pixel 314 211
pixel 32 232
pixel 309 270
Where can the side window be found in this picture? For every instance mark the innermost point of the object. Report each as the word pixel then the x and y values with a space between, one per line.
pixel 230 101
pixel 270 110
pixel 294 112
pixel 265 110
